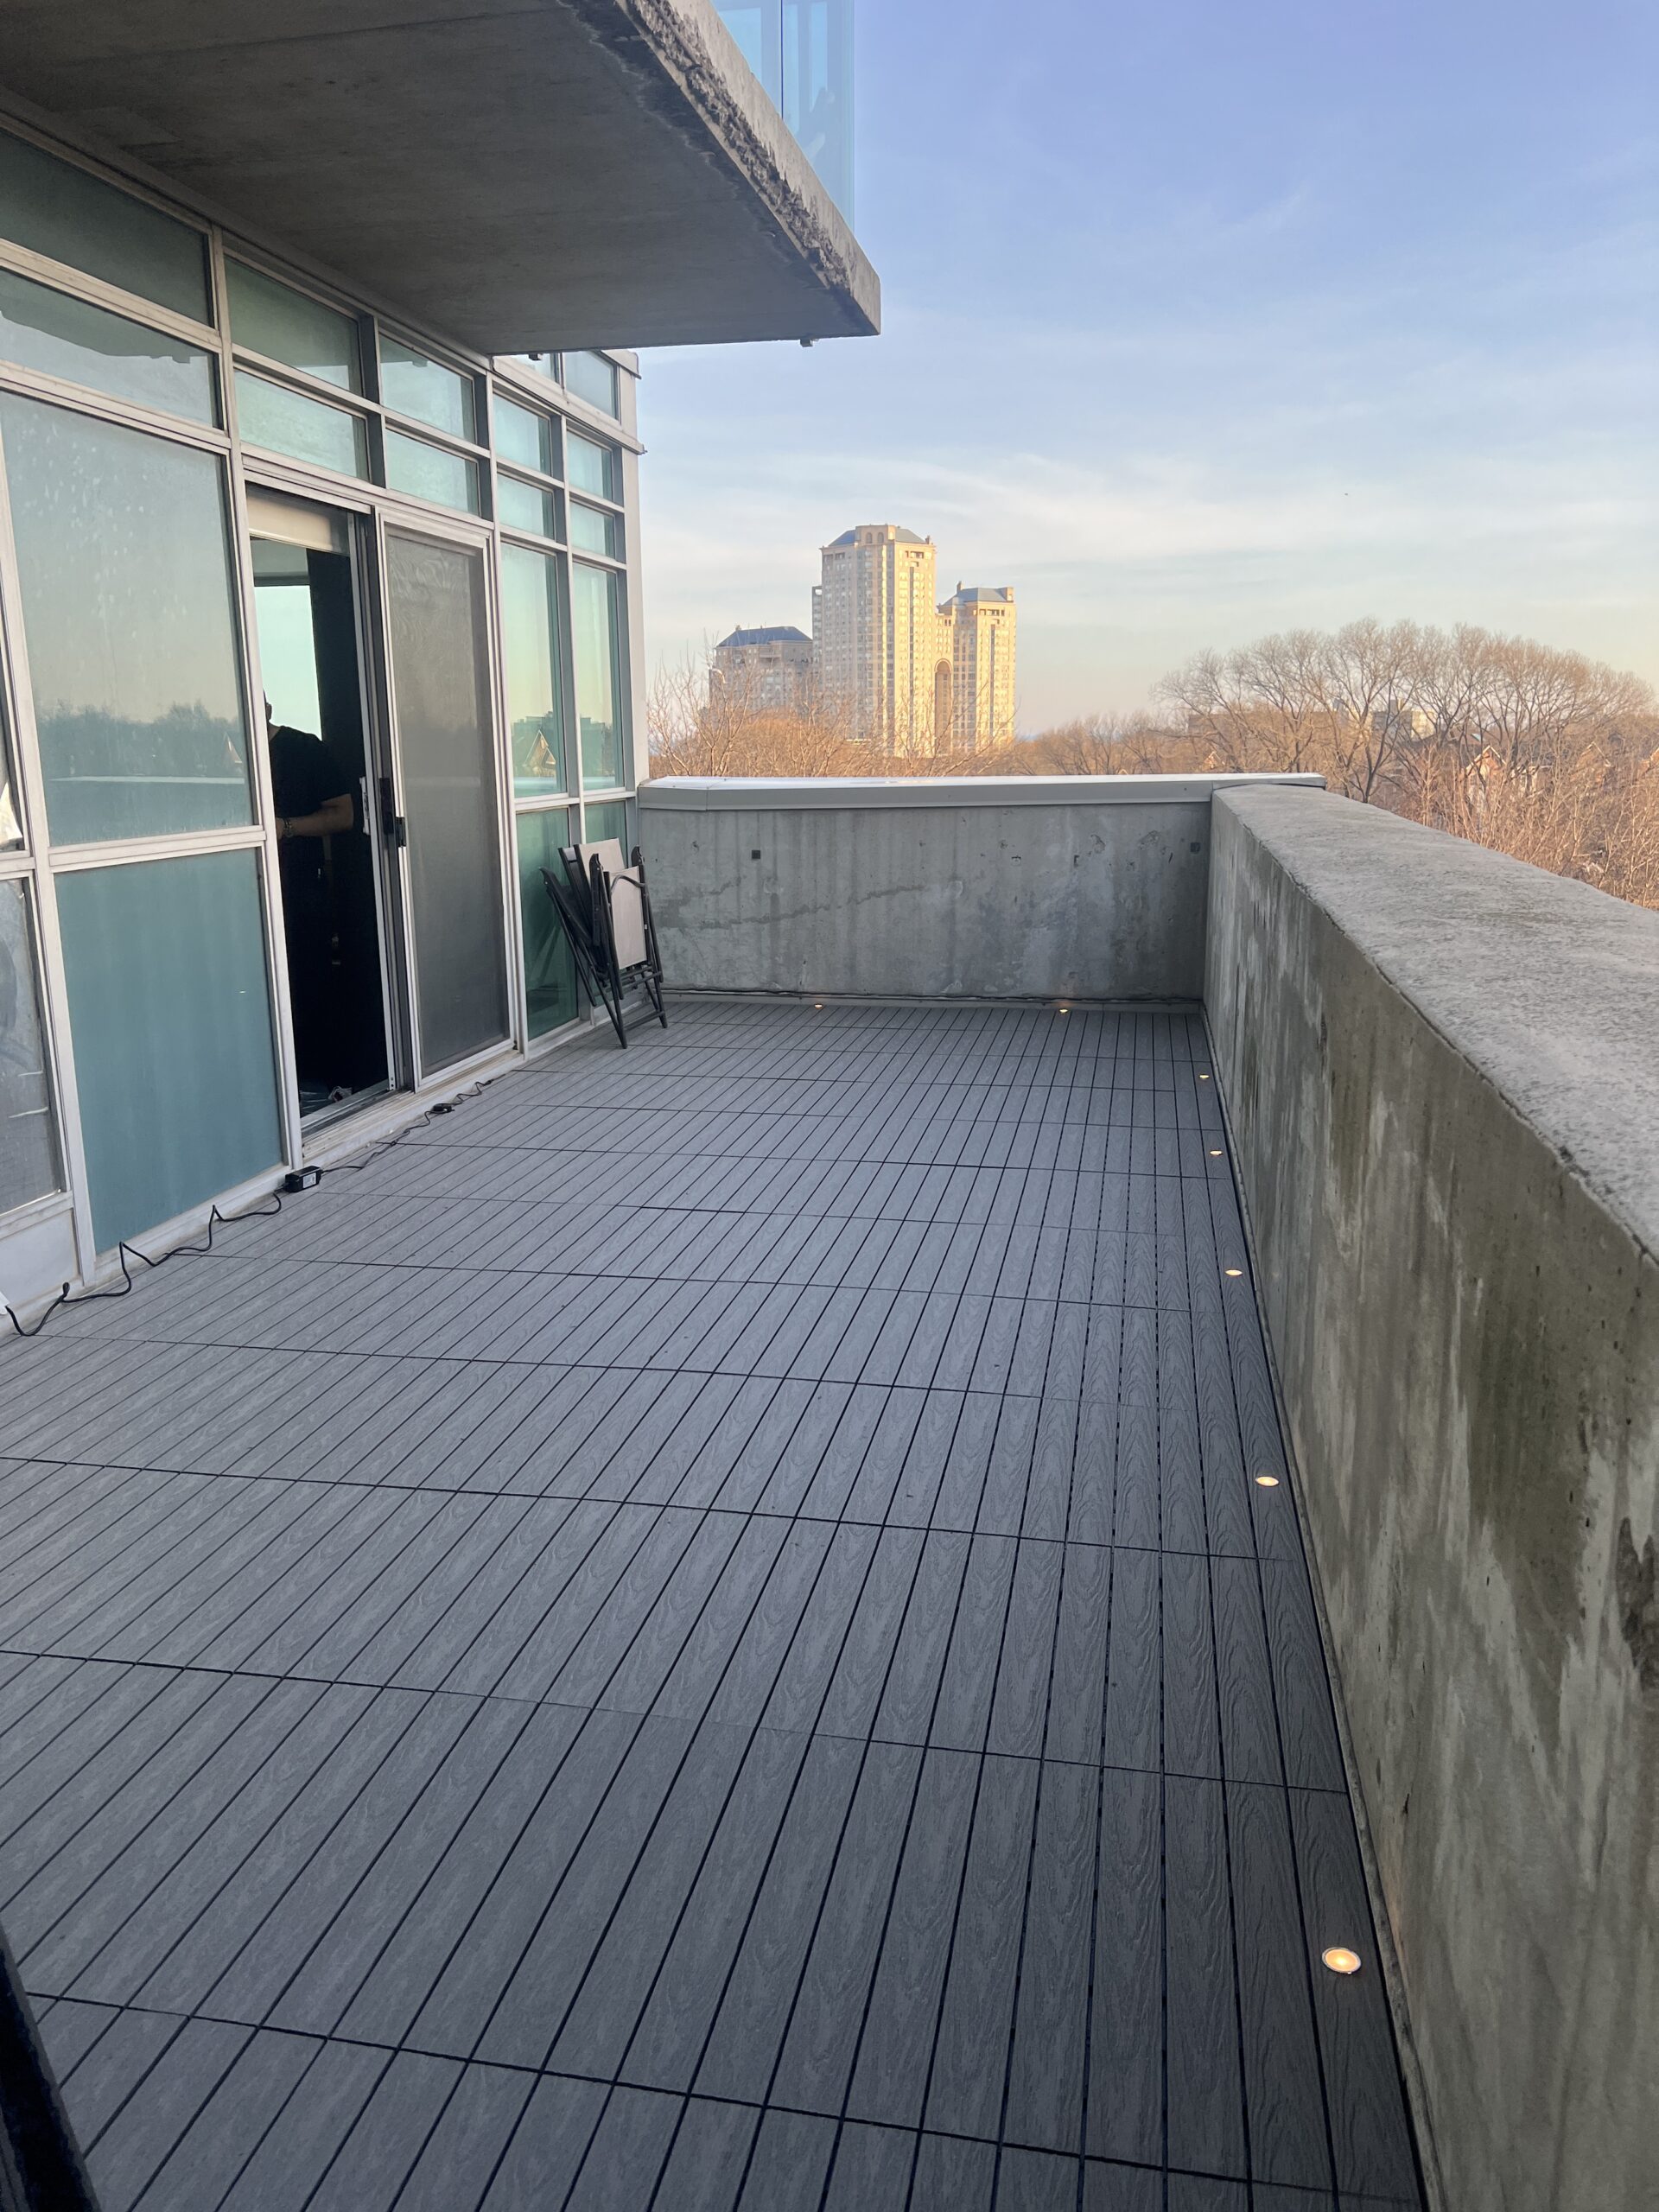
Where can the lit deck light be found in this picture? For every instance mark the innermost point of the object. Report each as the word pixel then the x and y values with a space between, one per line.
pixel 1340 1960
pixel 1215 1152
pixel 1203 1078
pixel 1232 1271
pixel 1267 1482
pixel 818 1005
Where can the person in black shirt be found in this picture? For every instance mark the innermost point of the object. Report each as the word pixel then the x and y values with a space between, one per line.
pixel 313 799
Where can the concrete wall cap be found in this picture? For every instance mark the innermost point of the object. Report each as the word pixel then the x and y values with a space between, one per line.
pixel 764 794
pixel 1547 987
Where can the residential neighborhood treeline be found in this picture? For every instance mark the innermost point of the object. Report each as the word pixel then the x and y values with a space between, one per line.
pixel 1542 754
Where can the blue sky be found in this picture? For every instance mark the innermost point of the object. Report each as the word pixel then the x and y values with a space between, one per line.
pixel 1204 318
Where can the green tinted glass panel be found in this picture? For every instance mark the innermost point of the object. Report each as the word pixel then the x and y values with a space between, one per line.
pixel 55 208
pixel 591 378
pixel 525 506
pixel 595 646
pixel 63 337
pixel 610 820
pixel 591 531
pixel 593 468
pixel 429 473
pixel 307 430
pixel 524 437
pixel 411 384
pixel 288 326
pixel 529 632
pixel 31 1166
pixel 130 618
pixel 550 974
pixel 170 1003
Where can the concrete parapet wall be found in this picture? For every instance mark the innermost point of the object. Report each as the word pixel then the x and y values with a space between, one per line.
pixel 1442 1069
pixel 1087 888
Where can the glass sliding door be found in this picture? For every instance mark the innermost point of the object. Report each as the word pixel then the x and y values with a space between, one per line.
pixel 437 621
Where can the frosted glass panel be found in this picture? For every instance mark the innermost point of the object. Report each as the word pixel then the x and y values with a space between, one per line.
pixel 523 507
pixel 592 530
pixel 68 338
pixel 593 467
pixel 170 1008
pixel 591 378
pixel 440 660
pixel 594 613
pixel 550 974
pixel 429 473
pixel 30 1165
pixel 288 326
pixel 269 414
pixel 130 619
pixel 411 384
pixel 523 435
pixel 529 626
pixel 66 212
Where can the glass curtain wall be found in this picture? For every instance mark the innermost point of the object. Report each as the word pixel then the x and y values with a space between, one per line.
pixel 145 363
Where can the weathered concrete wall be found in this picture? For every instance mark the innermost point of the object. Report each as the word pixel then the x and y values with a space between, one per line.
pixel 1442 1073
pixel 992 887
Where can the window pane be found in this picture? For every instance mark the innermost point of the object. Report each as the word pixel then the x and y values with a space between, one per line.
pixel 130 619
pixel 591 531
pixel 55 208
pixel 287 421
pixel 523 506
pixel 288 326
pixel 411 384
pixel 429 473
pixel 63 337
pixel 446 742
pixel 11 804
pixel 170 1006
pixel 594 618
pixel 523 435
pixel 549 973
pixel 529 626
pixel 544 365
pixel 591 378
pixel 593 468
pixel 610 820
pixel 29 1163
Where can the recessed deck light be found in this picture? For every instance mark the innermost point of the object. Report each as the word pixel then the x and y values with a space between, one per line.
pixel 1340 1960
pixel 1232 1271
pixel 1065 1009
pixel 1267 1482
pixel 818 1005
pixel 1203 1078
pixel 1215 1152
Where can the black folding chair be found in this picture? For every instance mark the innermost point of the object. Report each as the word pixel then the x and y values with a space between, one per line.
pixel 586 906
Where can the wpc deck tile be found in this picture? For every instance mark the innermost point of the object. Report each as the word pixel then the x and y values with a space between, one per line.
pixel 965 2094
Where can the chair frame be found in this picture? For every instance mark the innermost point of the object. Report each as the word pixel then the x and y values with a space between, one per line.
pixel 582 904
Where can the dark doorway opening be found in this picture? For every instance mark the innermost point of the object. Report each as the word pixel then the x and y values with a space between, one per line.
pixel 308 656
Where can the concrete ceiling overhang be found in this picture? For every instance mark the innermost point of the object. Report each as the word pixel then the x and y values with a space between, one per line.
pixel 520 174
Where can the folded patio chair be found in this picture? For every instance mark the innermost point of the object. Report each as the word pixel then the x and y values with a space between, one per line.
pixel 604 909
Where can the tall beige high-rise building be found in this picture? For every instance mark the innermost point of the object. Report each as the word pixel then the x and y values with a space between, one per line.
pixel 976 630
pixel 914 677
pixel 875 632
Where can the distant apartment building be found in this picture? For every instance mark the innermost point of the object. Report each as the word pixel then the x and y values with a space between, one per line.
pixel 976 630
pixel 770 667
pixel 916 678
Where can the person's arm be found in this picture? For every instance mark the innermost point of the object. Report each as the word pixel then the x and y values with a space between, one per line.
pixel 334 814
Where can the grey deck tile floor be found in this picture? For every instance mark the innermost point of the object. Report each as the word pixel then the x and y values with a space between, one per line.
pixel 702 1633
